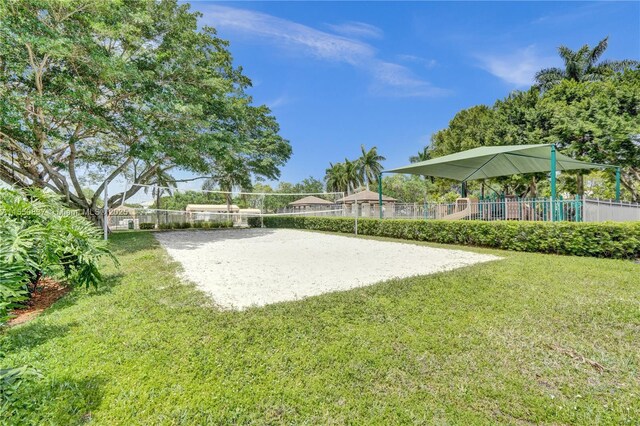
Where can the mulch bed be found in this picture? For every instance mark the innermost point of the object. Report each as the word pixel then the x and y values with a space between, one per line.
pixel 47 292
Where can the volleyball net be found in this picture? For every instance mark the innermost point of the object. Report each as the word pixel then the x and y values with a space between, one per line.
pixel 214 208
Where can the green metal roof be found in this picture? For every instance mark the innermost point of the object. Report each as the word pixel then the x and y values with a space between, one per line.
pixel 492 161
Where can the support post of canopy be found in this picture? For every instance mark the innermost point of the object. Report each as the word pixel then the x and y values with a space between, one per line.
pixel 617 183
pixel 380 194
pixel 464 189
pixel 553 183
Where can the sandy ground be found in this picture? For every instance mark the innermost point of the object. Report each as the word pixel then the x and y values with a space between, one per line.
pixel 255 267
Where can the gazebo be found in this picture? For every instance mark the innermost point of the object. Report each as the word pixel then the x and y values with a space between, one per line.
pixel 367 200
pixel 494 161
pixel 310 202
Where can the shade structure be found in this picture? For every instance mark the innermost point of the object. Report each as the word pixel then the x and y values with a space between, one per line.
pixel 492 161
pixel 310 201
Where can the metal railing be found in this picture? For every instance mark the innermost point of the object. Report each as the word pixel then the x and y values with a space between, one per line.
pixel 602 210
pixel 509 208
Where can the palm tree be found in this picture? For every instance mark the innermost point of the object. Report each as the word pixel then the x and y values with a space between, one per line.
pixel 352 174
pixel 369 166
pixel 162 183
pixel 336 178
pixel 229 174
pixel 581 65
pixel 423 155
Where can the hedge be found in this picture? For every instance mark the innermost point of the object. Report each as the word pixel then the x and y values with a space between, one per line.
pixel 203 225
pixel 604 239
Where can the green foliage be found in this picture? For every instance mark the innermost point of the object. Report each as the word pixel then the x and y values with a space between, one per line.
pixel 274 202
pixel 582 65
pixel 596 121
pixel 126 88
pixel 350 174
pixel 11 380
pixel 39 236
pixel 409 189
pixel 147 225
pixel 613 240
pixel 198 225
pixel 179 200
pixel 497 343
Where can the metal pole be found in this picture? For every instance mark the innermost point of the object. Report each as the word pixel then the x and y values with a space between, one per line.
pixel 380 194
pixel 105 219
pixel 617 183
pixel 553 183
pixel 355 204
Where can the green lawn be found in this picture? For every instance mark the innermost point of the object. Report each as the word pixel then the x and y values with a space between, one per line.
pixel 515 341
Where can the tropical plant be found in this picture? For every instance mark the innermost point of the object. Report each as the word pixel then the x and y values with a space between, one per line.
pixel 336 178
pixel 423 155
pixel 582 65
pixel 230 174
pixel 162 183
pixel 40 237
pixel 352 174
pixel 369 165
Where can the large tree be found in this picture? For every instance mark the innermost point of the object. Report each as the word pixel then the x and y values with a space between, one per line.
pixel 469 128
pixel 582 65
pixel 106 89
pixel 599 122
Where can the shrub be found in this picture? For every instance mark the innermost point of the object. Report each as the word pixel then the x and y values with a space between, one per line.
pixel 147 225
pixel 608 239
pixel 39 236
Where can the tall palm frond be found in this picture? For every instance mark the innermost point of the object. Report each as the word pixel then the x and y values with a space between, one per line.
pixel 369 166
pixel 582 65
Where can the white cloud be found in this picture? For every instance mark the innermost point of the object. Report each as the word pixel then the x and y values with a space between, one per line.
pixel 289 34
pixel 517 68
pixel 396 80
pixel 281 100
pixel 357 29
pixel 388 78
pixel 427 63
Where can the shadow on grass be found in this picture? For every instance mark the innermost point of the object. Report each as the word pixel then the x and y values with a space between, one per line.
pixel 132 242
pixel 59 401
pixel 109 282
pixel 31 334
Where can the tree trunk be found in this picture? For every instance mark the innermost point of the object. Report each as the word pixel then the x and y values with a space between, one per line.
pixel 580 184
pixel 533 188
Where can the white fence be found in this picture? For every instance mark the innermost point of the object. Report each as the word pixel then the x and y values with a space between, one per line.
pixel 540 209
pixel 601 210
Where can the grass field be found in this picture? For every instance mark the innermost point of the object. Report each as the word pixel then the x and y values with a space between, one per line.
pixel 529 339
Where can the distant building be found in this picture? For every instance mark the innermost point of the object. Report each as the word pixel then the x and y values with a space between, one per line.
pixel 367 203
pixel 310 203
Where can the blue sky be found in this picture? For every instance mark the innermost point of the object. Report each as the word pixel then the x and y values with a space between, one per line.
pixel 389 74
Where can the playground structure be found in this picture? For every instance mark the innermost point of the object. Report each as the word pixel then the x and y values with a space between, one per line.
pixel 508 208
pixel 494 161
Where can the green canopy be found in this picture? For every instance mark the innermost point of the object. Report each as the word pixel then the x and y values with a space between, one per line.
pixel 492 161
